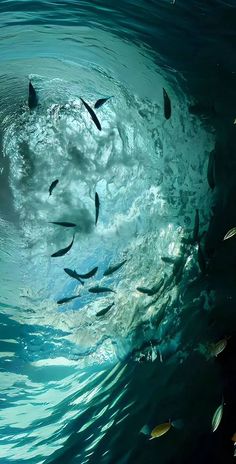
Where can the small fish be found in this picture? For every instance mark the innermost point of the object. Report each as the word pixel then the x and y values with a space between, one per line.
pixel 211 170
pixel 105 310
pixel 32 97
pixel 217 417
pixel 100 290
pixel 168 260
pixel 66 300
pixel 89 274
pixel 92 114
pixel 101 102
pixel 63 251
pixel 147 291
pixel 73 274
pixel 201 259
pixel 196 227
pixel 230 233
pixel 217 348
pixel 97 204
pixel 167 105
pixel 63 224
pixel 151 291
pixel 160 430
pixel 52 186
pixel 114 268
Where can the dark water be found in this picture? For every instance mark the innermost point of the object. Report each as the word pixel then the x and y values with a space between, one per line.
pixel 76 388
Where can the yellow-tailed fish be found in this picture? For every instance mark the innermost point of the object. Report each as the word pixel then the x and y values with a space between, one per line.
pixel 160 430
pixel 230 233
pixel 216 420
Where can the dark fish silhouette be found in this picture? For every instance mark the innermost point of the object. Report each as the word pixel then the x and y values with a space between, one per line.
pixel 66 300
pixel 32 97
pixel 168 260
pixel 196 227
pixel 63 224
pixel 167 105
pixel 147 291
pixel 101 102
pixel 114 268
pixel 89 274
pixel 211 170
pixel 73 274
pixel 201 260
pixel 63 251
pixel 100 290
pixel 105 310
pixel 97 204
pixel 151 291
pixel 52 186
pixel 92 114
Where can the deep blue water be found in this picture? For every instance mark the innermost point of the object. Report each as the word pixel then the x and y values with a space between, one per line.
pixel 77 388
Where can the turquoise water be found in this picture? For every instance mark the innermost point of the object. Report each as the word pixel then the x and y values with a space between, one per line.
pixel 76 388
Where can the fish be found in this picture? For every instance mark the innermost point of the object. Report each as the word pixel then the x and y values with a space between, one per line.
pixel 105 310
pixel 66 300
pixel 201 259
pixel 114 268
pixel 147 291
pixel 32 97
pixel 151 291
pixel 52 186
pixel 230 233
pixel 89 274
pixel 167 105
pixel 92 114
pixel 216 420
pixel 211 170
pixel 168 260
pixel 100 290
pixel 160 430
pixel 73 274
pixel 217 348
pixel 101 102
pixel 196 227
pixel 97 204
pixel 63 251
pixel 63 224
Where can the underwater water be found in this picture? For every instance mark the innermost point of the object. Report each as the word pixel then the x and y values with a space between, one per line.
pixel 77 387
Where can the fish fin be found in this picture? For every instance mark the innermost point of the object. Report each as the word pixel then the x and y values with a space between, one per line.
pixel 145 430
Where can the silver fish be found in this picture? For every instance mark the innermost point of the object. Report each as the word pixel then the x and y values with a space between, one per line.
pixel 66 300
pixel 216 420
pixel 63 251
pixel 167 105
pixel 52 186
pixel 92 114
pixel 105 310
pixel 97 204
pixel 114 268
pixel 211 170
pixel 73 274
pixel 101 102
pixel 196 227
pixel 89 274
pixel 100 290
pixel 63 224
